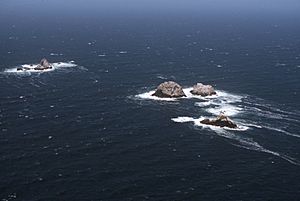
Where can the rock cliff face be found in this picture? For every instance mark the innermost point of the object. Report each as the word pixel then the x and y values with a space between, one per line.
pixel 169 89
pixel 221 121
pixel 203 90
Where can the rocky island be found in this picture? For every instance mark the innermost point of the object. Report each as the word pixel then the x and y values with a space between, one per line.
pixel 169 89
pixel 221 121
pixel 203 90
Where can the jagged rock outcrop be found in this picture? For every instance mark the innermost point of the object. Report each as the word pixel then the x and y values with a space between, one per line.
pixel 169 89
pixel 43 65
pixel 221 121
pixel 203 90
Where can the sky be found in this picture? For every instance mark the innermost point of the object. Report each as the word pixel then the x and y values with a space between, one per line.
pixel 149 6
pixel 32 11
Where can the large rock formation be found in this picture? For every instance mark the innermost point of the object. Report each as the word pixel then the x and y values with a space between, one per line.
pixel 169 89
pixel 221 121
pixel 203 90
pixel 43 65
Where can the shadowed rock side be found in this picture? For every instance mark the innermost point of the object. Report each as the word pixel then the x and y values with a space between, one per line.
pixel 203 90
pixel 169 89
pixel 221 121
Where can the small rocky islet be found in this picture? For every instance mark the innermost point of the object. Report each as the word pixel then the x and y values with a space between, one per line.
pixel 221 121
pixel 43 65
pixel 169 89
pixel 203 90
pixel 172 89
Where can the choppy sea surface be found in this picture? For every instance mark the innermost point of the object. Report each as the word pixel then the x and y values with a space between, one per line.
pixel 89 128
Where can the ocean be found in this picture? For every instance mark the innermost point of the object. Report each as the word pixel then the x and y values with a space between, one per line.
pixel 89 129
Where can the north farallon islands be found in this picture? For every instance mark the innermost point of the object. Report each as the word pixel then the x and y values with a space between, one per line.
pixel 172 89
pixel 220 103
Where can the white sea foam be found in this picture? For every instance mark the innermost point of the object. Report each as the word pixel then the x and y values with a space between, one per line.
pixel 161 77
pixel 254 146
pixel 222 102
pixel 204 104
pixel 282 131
pixel 228 110
pixel 148 95
pixel 272 113
pixel 229 97
pixel 252 125
pixel 240 141
pixel 64 64
pixel 183 119
pixel 197 122
pixel 32 66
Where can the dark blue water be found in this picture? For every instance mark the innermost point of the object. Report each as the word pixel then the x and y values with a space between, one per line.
pixel 84 133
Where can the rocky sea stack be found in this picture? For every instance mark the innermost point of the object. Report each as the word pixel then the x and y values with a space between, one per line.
pixel 43 65
pixel 203 90
pixel 221 121
pixel 169 89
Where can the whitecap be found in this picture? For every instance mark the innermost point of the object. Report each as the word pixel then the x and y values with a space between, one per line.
pixel 183 119
pixel 64 64
pixel 161 77
pixel 229 97
pixel 204 103
pixel 228 110
pixel 56 54
pixel 252 125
